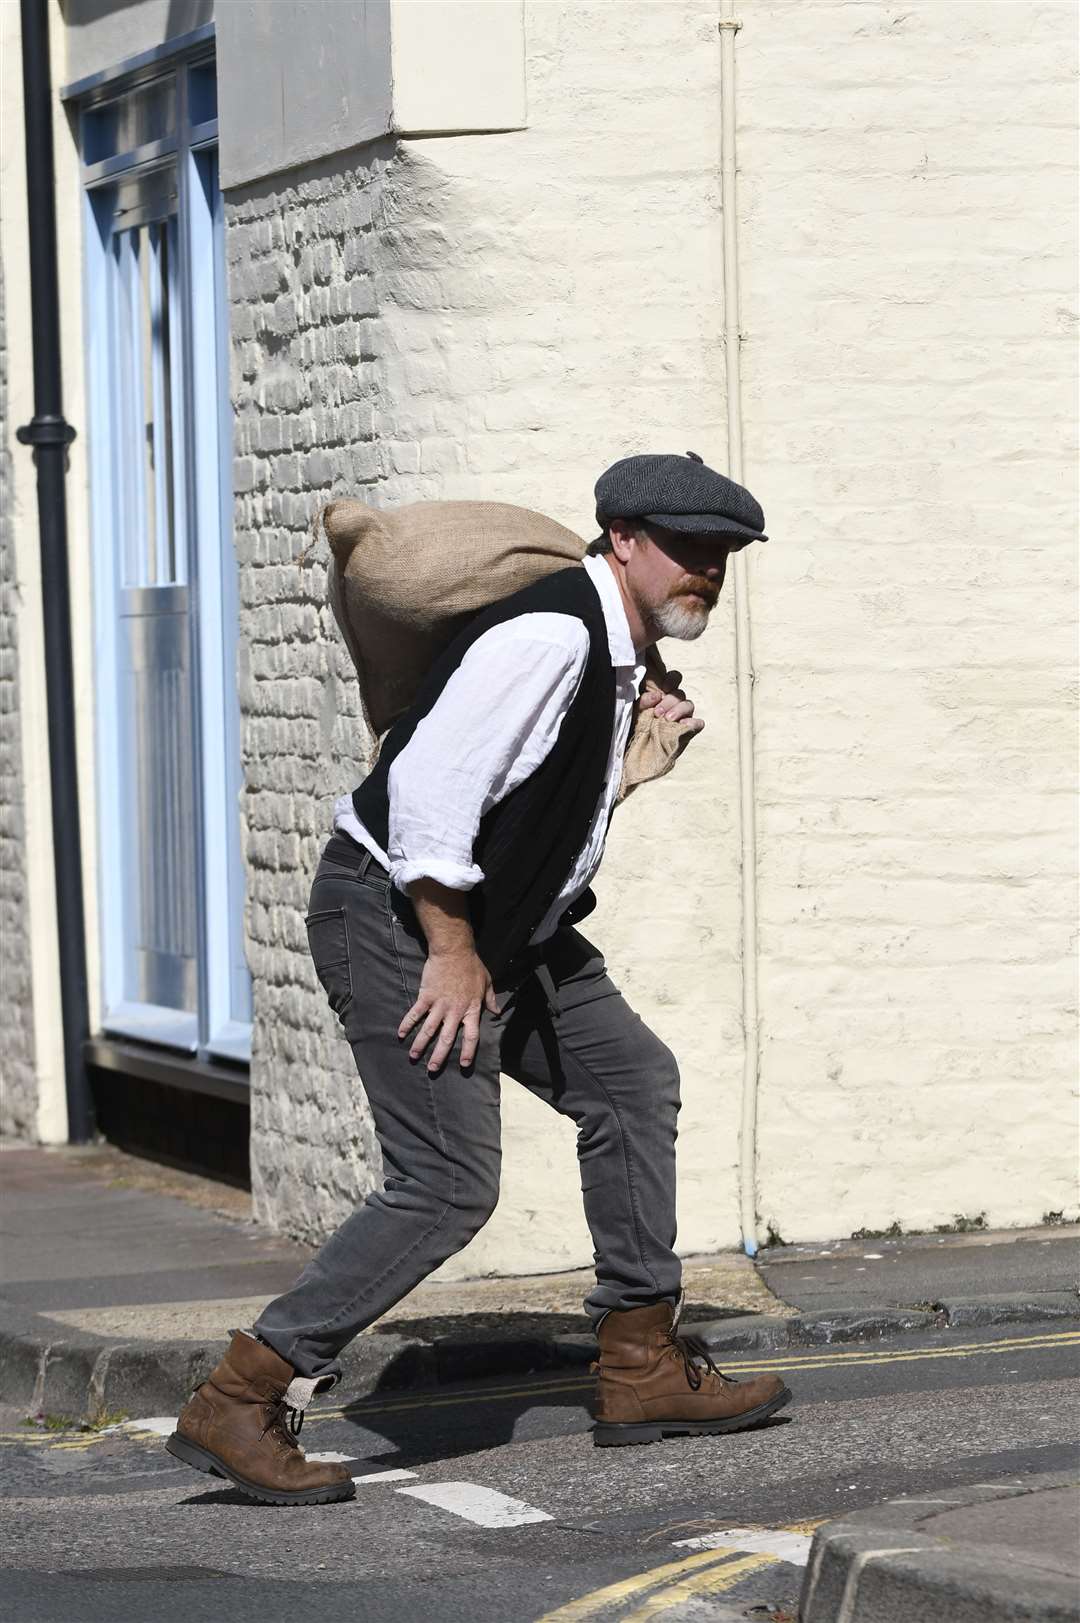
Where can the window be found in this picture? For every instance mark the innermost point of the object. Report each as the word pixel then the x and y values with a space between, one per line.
pixel 171 876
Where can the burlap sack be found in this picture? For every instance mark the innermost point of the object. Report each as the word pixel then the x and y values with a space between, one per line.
pixel 402 582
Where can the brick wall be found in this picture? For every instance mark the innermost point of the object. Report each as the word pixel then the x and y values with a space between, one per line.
pixel 305 382
pixel 908 229
pixel 502 316
pixel 18 1092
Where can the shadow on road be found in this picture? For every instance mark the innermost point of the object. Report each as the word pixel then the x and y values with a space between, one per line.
pixel 463 1327
pixel 404 1439
pixel 543 1390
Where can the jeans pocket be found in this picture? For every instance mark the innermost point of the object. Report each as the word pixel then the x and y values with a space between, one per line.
pixel 328 939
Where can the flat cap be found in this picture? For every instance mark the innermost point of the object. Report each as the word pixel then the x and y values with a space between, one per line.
pixel 679 493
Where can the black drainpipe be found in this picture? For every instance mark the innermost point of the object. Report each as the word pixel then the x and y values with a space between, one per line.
pixel 50 435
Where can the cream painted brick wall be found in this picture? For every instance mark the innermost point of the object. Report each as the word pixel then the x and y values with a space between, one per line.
pixel 501 316
pixel 18 1083
pixel 908 240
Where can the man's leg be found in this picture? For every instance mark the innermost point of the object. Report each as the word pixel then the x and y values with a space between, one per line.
pixel 439 1134
pixel 440 1142
pixel 600 1064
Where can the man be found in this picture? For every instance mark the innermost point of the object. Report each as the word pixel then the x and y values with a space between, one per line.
pixel 441 928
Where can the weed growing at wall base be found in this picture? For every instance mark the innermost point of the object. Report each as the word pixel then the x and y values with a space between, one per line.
pixel 961 1224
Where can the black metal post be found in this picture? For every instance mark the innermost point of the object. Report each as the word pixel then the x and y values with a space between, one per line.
pixel 50 435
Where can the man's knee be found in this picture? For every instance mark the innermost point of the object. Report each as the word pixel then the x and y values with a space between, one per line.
pixel 650 1110
pixel 659 1096
pixel 453 1201
pixel 474 1197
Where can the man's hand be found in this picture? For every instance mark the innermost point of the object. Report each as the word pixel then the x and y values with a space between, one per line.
pixel 454 988
pixel 455 985
pixel 670 701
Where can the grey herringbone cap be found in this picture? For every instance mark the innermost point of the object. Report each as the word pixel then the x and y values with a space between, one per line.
pixel 680 493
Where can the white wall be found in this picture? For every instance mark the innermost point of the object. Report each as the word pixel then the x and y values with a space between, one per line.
pixel 50 1123
pixel 101 33
pixel 909 249
pixel 18 1078
pixel 299 79
pixel 458 65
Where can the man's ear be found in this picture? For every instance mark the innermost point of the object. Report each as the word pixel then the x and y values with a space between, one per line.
pixel 623 535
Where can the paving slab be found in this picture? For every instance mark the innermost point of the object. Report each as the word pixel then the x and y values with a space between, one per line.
pixel 919 1270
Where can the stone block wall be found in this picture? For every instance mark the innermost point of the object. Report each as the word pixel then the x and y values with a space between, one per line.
pixel 306 382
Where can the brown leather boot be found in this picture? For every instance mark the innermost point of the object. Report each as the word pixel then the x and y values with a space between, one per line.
pixel 654 1384
pixel 235 1426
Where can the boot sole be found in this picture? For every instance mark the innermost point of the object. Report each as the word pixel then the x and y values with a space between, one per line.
pixel 201 1459
pixel 619 1434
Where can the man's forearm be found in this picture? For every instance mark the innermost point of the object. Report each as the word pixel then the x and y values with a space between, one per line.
pixel 444 917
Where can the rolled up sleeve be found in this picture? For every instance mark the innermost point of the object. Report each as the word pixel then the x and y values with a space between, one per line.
pixel 494 723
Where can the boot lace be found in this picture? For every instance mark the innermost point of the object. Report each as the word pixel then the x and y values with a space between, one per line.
pixel 694 1354
pixel 283 1419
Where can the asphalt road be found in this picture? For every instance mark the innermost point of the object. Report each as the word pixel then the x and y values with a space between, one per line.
pixel 508 1514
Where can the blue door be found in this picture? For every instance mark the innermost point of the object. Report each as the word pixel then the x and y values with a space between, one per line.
pixel 167 714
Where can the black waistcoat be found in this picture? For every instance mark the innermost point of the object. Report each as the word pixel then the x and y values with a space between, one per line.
pixel 528 842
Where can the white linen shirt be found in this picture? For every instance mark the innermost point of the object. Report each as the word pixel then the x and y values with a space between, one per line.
pixel 492 725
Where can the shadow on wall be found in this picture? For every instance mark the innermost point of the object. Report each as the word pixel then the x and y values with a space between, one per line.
pixel 181 16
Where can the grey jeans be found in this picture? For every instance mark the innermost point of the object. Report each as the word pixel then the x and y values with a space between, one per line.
pixel 593 1060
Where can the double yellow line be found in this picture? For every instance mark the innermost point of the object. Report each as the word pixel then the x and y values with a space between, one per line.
pixel 831 1359
pixel 709 1573
pixel 848 1357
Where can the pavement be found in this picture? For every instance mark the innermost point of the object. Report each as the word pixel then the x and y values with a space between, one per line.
pixel 1006 1549
pixel 122 1281
pixel 968 1271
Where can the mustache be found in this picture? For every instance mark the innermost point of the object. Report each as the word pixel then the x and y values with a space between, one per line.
pixel 705 590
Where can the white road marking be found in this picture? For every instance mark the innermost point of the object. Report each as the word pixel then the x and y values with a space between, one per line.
pixel 161 1425
pixel 792 1547
pixel 165 1425
pixel 484 1506
pixel 381 1476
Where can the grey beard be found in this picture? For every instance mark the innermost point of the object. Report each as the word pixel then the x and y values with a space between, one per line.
pixel 681 618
